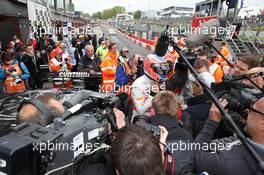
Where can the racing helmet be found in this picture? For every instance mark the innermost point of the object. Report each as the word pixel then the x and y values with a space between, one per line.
pixel 156 68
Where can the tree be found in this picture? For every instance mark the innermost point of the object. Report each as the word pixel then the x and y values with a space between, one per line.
pixel 97 15
pixel 86 15
pixel 109 13
pixel 71 7
pixel 137 14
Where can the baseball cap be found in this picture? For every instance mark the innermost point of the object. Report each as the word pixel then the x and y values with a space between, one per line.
pixel 124 49
pixel 58 51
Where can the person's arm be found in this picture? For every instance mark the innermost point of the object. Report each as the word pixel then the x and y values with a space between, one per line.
pixel 25 71
pixel 53 67
pixel 204 160
pixel 121 77
pixel 69 65
pixel 2 73
pixel 207 133
pixel 141 100
pixel 108 67
pixel 26 62
pixel 76 55
pixel 211 124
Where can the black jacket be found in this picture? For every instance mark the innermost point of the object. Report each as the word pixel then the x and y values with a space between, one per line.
pixel 34 69
pixel 176 137
pixel 91 64
pixel 198 107
pixel 196 113
pixel 236 161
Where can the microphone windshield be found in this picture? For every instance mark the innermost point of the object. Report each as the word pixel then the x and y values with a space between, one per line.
pixel 203 33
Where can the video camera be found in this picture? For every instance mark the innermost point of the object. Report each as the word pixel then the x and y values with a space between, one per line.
pixel 240 99
pixel 58 148
pixel 144 122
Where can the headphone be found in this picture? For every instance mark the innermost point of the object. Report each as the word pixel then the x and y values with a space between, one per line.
pixel 46 111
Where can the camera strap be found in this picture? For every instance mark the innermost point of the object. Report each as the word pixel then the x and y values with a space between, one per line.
pixel 169 164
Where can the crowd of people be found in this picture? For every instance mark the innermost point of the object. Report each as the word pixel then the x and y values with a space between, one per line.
pixel 158 88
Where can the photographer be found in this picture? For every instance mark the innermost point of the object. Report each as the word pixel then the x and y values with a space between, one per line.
pixel 234 159
pixel 58 64
pixel 166 106
pixel 134 144
pixel 13 73
pixel 131 145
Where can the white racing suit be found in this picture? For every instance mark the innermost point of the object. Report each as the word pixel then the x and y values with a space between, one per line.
pixel 140 94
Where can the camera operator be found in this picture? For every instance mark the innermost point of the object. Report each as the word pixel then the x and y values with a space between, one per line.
pixel 166 106
pixel 13 73
pixel 30 113
pixel 235 159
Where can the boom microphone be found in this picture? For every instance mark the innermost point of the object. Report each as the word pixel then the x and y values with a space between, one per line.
pixel 202 34
pixel 162 43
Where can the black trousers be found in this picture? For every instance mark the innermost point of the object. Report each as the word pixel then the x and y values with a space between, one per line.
pixel 35 83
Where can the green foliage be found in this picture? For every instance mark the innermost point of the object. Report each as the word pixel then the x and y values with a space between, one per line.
pixel 97 15
pixel 109 13
pixel 71 7
pixel 86 15
pixel 137 14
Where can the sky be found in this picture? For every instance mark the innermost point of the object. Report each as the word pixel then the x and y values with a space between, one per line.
pixel 91 6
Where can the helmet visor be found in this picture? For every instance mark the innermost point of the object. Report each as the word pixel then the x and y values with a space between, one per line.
pixel 161 69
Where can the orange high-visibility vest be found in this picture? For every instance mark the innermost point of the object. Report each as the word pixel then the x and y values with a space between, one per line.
pixel 108 68
pixel 10 85
pixel 225 52
pixel 173 57
pixel 52 54
pixel 55 66
pixel 217 72
pixel 127 68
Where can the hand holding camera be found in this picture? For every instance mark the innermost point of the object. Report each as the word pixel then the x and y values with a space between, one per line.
pixel 13 73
